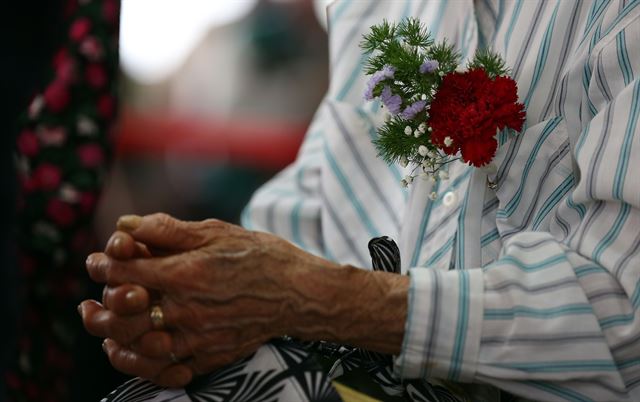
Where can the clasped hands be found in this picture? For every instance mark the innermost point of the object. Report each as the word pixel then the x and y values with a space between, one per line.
pixel 223 292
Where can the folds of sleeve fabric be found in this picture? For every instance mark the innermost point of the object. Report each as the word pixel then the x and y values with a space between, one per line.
pixel 557 315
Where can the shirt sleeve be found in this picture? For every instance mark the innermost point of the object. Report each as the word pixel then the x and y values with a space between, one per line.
pixel 289 205
pixel 553 318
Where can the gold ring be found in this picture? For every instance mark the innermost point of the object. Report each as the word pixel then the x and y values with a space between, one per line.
pixel 157 317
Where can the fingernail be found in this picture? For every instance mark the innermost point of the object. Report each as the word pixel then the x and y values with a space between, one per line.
pixel 128 223
pixel 133 298
pixel 117 245
pixel 104 346
pixel 90 261
pixel 80 309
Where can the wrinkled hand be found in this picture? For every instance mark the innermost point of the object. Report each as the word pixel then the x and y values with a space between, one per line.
pixel 224 292
pixel 122 306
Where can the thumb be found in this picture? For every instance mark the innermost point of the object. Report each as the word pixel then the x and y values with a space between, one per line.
pixel 164 232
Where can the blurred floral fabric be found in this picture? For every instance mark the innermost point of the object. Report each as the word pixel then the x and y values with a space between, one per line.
pixel 62 153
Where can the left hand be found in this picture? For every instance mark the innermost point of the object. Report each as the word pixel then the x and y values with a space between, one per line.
pixel 227 293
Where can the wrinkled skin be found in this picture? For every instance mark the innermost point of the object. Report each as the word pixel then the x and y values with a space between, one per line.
pixel 225 291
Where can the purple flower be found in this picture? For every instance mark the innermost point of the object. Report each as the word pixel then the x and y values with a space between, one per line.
pixel 387 71
pixel 391 101
pixel 429 66
pixel 376 78
pixel 410 111
pixel 368 92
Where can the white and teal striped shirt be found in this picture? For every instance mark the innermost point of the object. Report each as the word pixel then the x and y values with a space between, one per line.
pixel 533 286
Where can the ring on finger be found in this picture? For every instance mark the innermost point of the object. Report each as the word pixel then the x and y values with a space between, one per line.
pixel 157 317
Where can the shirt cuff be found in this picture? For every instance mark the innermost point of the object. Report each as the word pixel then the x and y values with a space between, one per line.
pixel 443 327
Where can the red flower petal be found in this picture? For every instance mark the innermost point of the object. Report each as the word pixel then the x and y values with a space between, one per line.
pixel 470 108
pixel 479 152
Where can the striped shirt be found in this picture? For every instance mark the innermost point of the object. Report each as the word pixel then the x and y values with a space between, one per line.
pixel 533 285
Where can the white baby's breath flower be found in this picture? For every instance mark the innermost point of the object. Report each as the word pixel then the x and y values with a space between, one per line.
pixel 423 150
pixel 404 162
pixel 422 127
pixel 448 141
pixel 417 133
pixel 408 130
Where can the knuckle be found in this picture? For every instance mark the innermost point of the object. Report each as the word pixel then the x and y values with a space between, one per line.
pixel 212 223
pixel 108 271
pixel 121 331
pixel 130 363
pixel 183 345
pixel 123 334
pixel 164 220
pixel 92 324
pixel 111 328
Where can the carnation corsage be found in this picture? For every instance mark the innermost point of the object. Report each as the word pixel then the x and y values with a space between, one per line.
pixel 438 112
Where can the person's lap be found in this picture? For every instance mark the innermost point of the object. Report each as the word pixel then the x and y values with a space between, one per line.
pixel 279 371
pixel 286 370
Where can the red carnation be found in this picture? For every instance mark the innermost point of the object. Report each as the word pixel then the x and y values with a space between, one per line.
pixel 96 75
pixel 467 111
pixel 479 151
pixel 47 176
pixel 60 212
pixel 79 29
pixel 57 96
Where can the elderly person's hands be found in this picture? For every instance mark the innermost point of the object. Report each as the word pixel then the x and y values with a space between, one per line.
pixel 224 291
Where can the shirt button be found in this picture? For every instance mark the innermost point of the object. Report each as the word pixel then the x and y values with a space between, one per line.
pixel 449 199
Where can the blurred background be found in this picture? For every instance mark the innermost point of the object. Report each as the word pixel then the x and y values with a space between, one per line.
pixel 199 103
pixel 216 96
